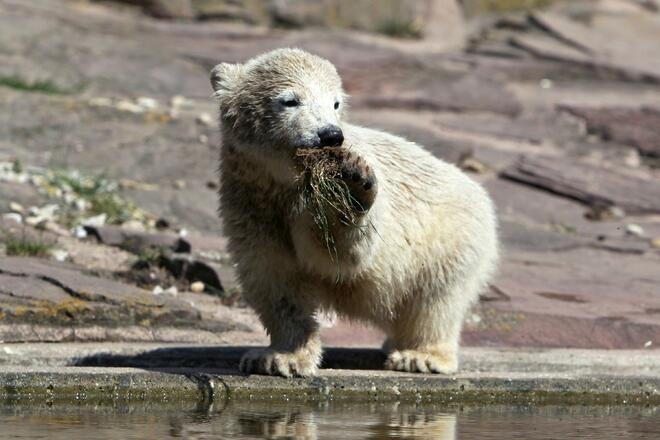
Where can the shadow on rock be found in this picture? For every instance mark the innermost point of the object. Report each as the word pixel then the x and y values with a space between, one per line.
pixel 224 358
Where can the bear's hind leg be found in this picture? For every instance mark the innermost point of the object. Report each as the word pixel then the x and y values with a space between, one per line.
pixel 425 338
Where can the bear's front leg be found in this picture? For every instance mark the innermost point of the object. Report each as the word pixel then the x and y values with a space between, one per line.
pixel 295 348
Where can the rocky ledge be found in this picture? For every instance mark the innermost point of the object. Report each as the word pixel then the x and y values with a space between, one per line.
pixel 166 373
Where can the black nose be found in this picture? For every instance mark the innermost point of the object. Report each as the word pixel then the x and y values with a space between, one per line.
pixel 331 136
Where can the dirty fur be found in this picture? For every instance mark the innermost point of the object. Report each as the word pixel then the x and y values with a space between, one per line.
pixel 412 245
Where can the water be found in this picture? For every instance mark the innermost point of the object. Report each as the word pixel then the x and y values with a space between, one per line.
pixel 328 420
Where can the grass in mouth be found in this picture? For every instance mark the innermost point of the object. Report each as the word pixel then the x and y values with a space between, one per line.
pixel 326 196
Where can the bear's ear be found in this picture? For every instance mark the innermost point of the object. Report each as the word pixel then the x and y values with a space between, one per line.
pixel 224 77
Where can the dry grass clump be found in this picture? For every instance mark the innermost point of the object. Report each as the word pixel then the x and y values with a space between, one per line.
pixel 327 196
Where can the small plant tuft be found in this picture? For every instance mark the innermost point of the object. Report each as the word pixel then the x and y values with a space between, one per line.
pixel 23 246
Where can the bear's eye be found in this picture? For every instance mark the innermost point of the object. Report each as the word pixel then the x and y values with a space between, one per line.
pixel 336 105
pixel 290 102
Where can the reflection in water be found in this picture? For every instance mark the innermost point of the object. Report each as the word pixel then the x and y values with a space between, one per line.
pixel 415 422
pixel 262 420
pixel 326 420
pixel 262 423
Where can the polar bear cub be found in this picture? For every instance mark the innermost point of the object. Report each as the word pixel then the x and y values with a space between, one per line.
pixel 420 245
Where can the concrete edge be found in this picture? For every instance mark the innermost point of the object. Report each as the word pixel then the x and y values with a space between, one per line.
pixel 92 384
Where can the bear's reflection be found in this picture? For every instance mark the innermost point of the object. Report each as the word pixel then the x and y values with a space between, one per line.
pixel 410 422
pixel 346 421
pixel 294 423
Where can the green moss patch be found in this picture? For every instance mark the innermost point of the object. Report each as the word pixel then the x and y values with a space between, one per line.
pixel 39 86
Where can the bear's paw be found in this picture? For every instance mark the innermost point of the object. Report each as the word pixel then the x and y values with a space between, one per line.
pixel 414 361
pixel 274 363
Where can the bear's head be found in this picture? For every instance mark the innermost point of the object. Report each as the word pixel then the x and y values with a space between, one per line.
pixel 280 102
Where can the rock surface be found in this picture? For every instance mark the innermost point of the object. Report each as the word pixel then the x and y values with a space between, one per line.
pixel 558 108
pixel 41 300
pixel 35 373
